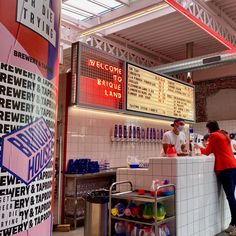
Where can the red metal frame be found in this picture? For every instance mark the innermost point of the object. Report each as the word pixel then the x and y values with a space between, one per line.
pixel 68 96
pixel 199 23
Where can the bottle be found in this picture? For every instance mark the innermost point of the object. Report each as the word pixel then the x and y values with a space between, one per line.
pixel 138 133
pixel 166 229
pixel 134 133
pixel 143 134
pixel 191 148
pixel 130 133
pixel 154 186
pixel 147 231
pixel 151 135
pixel 115 135
pixel 154 135
pixel 120 131
pixel 136 230
pixel 125 132
pixel 120 228
pixel 101 165
pixel 147 135
pixel 158 135
pixel 197 151
pixel 161 134
pixel 129 229
pixel 106 164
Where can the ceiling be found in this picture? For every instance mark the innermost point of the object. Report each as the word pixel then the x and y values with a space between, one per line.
pixel 88 9
pixel 165 32
pixel 169 35
pixel 227 6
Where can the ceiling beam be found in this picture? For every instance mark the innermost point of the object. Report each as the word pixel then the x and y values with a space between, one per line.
pixel 140 20
pixel 222 14
pixel 80 25
pixel 125 2
pixel 101 4
pixel 80 9
pixel 200 14
pixel 145 50
pixel 132 19
pixel 122 11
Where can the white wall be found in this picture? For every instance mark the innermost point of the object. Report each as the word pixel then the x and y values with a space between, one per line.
pixel 89 135
pixel 222 105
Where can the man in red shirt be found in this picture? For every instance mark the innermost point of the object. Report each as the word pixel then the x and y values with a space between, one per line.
pixel 225 167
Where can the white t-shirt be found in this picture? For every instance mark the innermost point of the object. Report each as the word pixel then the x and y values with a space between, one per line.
pixel 170 137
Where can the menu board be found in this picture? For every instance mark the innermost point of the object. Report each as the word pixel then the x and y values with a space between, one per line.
pixel 152 93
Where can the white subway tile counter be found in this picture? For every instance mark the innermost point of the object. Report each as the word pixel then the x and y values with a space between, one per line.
pixel 202 208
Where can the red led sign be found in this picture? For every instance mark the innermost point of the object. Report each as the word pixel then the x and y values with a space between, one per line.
pixel 101 79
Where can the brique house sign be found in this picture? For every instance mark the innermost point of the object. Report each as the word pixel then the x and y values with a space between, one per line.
pixel 30 147
pixel 29 73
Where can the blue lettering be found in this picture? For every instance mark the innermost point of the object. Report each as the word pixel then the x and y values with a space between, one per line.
pixel 46 130
pixel 37 161
pixel 40 133
pixel 27 142
pixel 40 160
pixel 31 169
pixel 33 137
pixel 45 153
pixel 20 146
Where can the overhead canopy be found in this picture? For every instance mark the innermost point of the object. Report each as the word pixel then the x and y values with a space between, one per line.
pixel 151 28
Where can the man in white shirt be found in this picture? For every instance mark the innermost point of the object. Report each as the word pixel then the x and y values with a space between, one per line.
pixel 175 137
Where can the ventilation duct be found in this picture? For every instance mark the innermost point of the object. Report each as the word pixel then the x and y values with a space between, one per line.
pixel 198 63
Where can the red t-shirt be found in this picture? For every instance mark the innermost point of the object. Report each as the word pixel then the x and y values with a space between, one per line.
pixel 220 146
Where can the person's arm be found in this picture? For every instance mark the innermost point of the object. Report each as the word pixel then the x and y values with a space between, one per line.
pixel 210 146
pixel 184 151
pixel 165 143
pixel 183 143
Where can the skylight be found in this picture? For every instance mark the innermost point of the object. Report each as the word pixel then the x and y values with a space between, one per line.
pixel 85 9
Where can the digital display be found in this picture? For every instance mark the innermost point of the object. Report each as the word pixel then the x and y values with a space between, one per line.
pixel 151 93
pixel 101 79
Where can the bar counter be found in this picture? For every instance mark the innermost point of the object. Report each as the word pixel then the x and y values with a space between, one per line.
pixel 201 206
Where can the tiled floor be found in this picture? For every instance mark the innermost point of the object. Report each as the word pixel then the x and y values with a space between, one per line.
pixel 80 232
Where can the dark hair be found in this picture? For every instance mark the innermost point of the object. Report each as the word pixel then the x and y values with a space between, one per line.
pixel 213 126
pixel 224 131
pixel 176 121
pixel 205 137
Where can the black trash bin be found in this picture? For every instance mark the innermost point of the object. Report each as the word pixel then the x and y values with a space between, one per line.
pixel 96 214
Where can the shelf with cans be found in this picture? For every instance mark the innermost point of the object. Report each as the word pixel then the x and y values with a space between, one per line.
pixel 135 212
pixel 124 133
